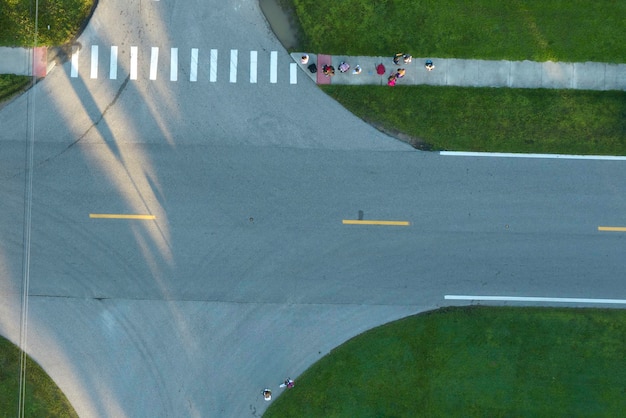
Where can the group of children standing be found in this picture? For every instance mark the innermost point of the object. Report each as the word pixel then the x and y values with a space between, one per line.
pixel 400 72
pixel 329 71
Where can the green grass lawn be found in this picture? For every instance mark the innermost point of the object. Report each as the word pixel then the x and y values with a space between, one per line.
pixel 538 30
pixel 43 397
pixel 478 119
pixel 496 120
pixel 65 17
pixel 12 84
pixel 472 362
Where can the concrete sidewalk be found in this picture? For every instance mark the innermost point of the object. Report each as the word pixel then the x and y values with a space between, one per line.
pixel 24 61
pixel 447 72
pixel 478 73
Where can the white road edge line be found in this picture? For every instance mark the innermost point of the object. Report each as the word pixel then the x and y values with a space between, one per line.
pixel 94 61
pixel 520 155
pixel 534 299
pixel 113 64
pixel 193 73
pixel 74 66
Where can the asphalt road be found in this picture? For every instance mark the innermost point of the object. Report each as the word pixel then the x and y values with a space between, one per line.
pixel 247 274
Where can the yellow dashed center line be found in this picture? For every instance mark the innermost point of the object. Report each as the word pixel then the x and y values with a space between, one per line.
pixel 612 228
pixel 120 216
pixel 359 222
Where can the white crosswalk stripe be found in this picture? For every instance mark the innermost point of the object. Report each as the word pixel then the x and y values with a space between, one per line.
pixel 174 64
pixel 233 65
pixel 253 66
pixel 193 72
pixel 74 63
pixel 94 61
pixel 113 64
pixel 154 62
pixel 213 71
pixel 293 73
pixel 273 67
pixel 133 61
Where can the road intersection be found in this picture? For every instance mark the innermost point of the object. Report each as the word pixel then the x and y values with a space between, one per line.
pixel 248 273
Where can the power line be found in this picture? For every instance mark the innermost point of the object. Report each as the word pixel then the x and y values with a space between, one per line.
pixel 28 195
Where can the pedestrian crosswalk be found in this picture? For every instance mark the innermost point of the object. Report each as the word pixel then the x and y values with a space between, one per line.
pixel 155 63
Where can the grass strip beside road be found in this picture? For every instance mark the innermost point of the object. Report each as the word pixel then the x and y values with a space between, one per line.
pixel 472 362
pixel 11 85
pixel 494 120
pixel 43 397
